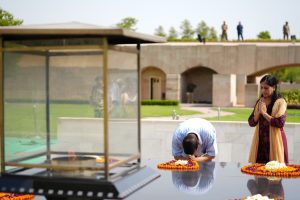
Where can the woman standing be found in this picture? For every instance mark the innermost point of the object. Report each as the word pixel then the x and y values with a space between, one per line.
pixel 269 114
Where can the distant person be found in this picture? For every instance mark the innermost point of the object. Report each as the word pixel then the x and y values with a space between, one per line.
pixel 128 101
pixel 96 98
pixel 224 32
pixel 286 31
pixel 269 141
pixel 190 88
pixel 201 39
pixel 115 98
pixel 240 31
pixel 195 182
pixel 194 139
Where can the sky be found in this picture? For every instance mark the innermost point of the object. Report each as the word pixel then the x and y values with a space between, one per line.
pixel 255 15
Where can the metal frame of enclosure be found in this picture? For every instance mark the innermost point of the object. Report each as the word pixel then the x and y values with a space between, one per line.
pixel 34 62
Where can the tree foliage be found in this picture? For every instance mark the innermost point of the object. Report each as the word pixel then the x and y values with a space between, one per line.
pixel 207 32
pixel 128 23
pixel 187 31
pixel 172 33
pixel 212 34
pixel 288 74
pixel 7 19
pixel 264 35
pixel 159 31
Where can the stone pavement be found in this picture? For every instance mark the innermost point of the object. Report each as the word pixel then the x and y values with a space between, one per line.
pixel 206 111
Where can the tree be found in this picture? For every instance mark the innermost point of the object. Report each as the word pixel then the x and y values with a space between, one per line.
pixel 212 34
pixel 288 74
pixel 202 29
pixel 172 33
pixel 7 19
pixel 264 35
pixel 128 23
pixel 187 30
pixel 206 31
pixel 159 31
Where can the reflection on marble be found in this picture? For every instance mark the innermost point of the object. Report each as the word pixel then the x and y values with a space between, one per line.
pixel 271 187
pixel 195 182
pixel 215 181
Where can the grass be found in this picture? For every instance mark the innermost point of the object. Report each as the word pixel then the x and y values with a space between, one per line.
pixel 242 114
pixel 27 120
pixel 161 111
pixel 30 119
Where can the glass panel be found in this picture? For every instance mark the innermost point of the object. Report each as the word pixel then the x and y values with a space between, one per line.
pixel 76 107
pixel 24 107
pixel 53 107
pixel 123 104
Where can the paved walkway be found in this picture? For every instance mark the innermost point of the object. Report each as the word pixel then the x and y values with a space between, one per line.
pixel 206 111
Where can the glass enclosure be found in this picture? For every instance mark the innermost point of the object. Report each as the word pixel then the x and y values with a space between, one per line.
pixel 67 101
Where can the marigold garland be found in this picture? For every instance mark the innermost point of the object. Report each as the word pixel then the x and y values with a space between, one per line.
pixel 191 165
pixel 13 196
pixel 291 171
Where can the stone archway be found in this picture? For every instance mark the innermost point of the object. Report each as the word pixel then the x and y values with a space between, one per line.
pixel 202 77
pixel 252 87
pixel 153 83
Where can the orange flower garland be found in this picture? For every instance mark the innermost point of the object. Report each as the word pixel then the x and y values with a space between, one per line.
pixel 291 171
pixel 175 165
pixel 12 196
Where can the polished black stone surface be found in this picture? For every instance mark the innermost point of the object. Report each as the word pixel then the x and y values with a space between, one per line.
pixel 215 180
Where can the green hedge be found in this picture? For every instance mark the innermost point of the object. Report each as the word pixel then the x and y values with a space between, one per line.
pixel 292 97
pixel 161 102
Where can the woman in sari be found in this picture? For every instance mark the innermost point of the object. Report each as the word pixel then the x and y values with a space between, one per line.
pixel 269 114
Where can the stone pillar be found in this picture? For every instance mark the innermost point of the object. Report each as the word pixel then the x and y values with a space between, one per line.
pixel 173 87
pixel 224 90
pixel 241 81
pixel 252 94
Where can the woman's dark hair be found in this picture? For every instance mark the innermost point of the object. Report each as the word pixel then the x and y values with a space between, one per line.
pixel 271 81
pixel 190 144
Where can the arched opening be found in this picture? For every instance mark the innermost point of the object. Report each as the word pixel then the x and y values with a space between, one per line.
pixel 251 78
pixel 153 83
pixel 202 77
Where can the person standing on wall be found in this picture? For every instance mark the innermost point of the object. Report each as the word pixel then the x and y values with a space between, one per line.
pixel 240 31
pixel 286 31
pixel 269 141
pixel 224 32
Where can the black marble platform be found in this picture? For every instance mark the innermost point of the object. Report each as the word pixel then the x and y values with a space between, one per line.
pixel 215 181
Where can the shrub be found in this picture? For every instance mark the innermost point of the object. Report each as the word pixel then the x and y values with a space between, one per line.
pixel 161 102
pixel 292 97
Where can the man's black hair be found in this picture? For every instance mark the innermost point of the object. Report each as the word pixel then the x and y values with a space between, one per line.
pixel 190 144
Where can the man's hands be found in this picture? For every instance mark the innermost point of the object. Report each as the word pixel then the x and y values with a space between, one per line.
pixel 202 158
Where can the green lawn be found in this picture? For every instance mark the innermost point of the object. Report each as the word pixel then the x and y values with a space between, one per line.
pixel 161 111
pixel 242 114
pixel 28 120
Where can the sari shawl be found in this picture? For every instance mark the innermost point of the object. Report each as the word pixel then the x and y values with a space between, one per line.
pixel 276 144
